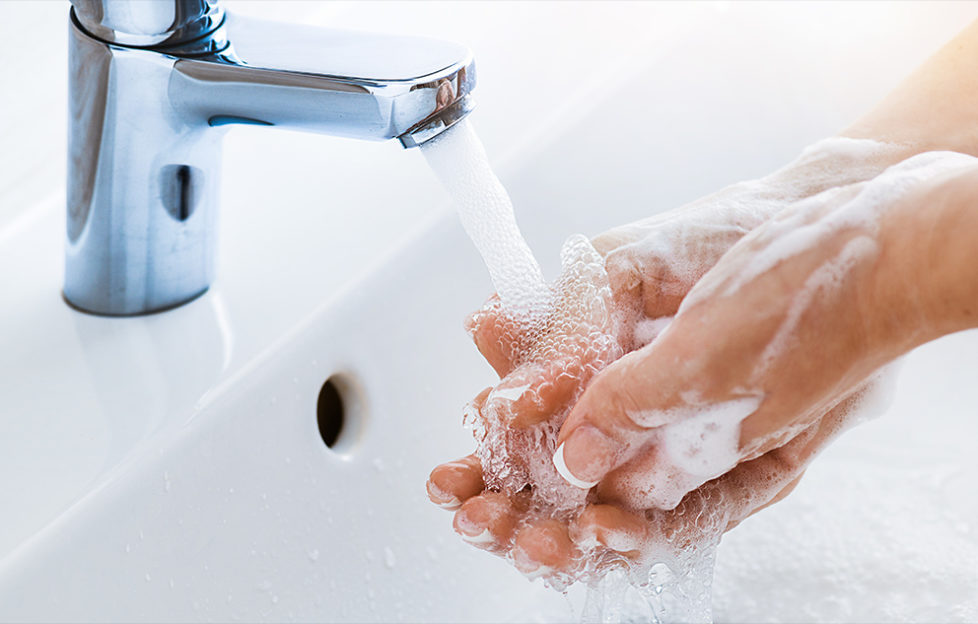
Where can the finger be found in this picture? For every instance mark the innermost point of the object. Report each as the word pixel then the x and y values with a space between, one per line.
pixel 642 282
pixel 544 548
pixel 453 483
pixel 486 521
pixel 612 527
pixel 616 237
pixel 473 412
pixel 601 429
pixel 656 272
pixel 535 391
pixel 495 336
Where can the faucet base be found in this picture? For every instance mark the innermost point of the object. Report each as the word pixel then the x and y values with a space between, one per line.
pixel 109 314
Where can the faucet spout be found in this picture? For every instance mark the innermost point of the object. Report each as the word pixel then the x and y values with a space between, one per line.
pixel 153 87
pixel 336 82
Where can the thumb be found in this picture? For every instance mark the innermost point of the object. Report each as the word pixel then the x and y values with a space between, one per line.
pixel 652 402
pixel 601 431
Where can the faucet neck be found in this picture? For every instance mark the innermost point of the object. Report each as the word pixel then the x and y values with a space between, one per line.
pixel 161 23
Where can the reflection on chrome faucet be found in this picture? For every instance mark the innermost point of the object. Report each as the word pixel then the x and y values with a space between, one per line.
pixel 152 88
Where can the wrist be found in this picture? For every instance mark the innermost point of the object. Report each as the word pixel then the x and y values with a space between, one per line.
pixel 929 267
pixel 836 162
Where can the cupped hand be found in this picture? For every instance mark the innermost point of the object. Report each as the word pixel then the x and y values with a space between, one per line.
pixel 607 533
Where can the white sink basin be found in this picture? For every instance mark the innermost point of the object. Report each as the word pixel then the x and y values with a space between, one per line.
pixel 170 467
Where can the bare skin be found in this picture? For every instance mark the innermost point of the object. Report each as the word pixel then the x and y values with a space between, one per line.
pixel 910 281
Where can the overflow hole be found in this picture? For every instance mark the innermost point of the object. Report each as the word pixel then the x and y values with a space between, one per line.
pixel 330 413
pixel 183 205
pixel 180 188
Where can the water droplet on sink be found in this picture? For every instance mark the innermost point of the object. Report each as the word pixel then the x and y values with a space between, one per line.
pixel 148 577
pixel 378 464
pixel 314 554
pixel 389 559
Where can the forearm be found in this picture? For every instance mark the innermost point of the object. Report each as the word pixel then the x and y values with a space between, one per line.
pixel 936 107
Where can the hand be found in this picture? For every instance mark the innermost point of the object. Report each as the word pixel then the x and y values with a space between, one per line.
pixel 654 262
pixel 788 324
pixel 652 265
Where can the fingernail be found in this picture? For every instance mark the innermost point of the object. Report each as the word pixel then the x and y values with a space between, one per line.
pixel 441 498
pixel 529 567
pixel 508 391
pixel 506 400
pixel 523 562
pixel 561 467
pixel 471 531
pixel 585 457
pixel 482 538
pixel 451 505
pixel 540 571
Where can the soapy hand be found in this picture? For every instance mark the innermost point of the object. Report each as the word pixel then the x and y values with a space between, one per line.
pixel 764 362
pixel 790 322
pixel 651 265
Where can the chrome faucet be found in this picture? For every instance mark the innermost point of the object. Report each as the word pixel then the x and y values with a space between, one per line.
pixel 152 87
